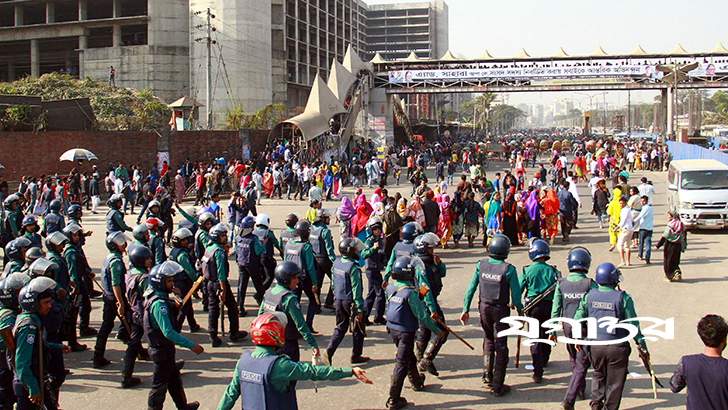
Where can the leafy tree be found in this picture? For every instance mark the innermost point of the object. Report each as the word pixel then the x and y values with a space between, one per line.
pixel 265 118
pixel 481 107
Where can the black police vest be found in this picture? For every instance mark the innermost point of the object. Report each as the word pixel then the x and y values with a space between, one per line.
pixel 317 242
pixel 61 276
pixel 111 224
pixel 606 304
pixel 433 275
pixel 403 249
pixel 202 239
pixel 341 272
pixel 209 265
pixel 294 252
pixel 52 223
pixel 286 236
pixel 494 288
pixel 176 255
pixel 106 283
pixel 155 336
pixel 572 294
pixel 375 261
pixel 40 335
pixel 134 294
pixel 399 313
pixel 274 303
pixel 262 234
pixel 256 393
pixel 245 250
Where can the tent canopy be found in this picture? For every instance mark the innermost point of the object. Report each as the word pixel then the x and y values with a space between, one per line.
pixel 321 106
pixel 353 63
pixel 599 52
pixel 377 59
pixel 185 102
pixel 560 53
pixel 340 80
pixel 638 51
pixel 486 55
pixel 522 54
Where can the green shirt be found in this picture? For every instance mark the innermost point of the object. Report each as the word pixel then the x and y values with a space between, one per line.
pixel 25 339
pixel 511 277
pixel 71 253
pixel 369 246
pixel 416 306
pixel 274 241
pixel 189 217
pixel 558 305
pixel 12 220
pixel 283 371
pixel 627 307
pixel 219 257
pixel 7 322
pixel 536 278
pixel 118 217
pixel 183 258
pixel 327 239
pixel 116 267
pixel 292 309
pixel 160 254
pixel 356 285
pixel 159 319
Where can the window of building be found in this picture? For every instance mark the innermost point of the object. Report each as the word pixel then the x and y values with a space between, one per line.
pixel 135 35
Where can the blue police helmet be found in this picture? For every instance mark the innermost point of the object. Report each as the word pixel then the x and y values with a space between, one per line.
pixel 138 256
pixel 285 271
pixel 405 266
pixel 29 220
pixel 161 272
pixel 410 230
pixel 218 232
pixel 16 248
pixel 55 205
pixel 607 274
pixel 74 209
pixel 9 287
pixel 539 249
pixel 499 247
pixel 579 259
pixel 31 294
pixel 55 239
pixel 424 242
pixel 115 240
pixel 247 225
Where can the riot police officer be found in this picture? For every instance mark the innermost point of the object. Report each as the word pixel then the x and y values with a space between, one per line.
pixel 288 233
pixel 163 329
pixel 54 221
pixel 610 361
pixel 9 289
pixel 75 213
pixel 539 279
pixel 408 233
pixel 497 282
pixel 181 241
pixel 281 298
pixel 114 217
pixel 80 274
pixel 262 230
pixel 136 281
pixel 346 275
pixel 404 311
pixel 432 275
pixel 568 295
pixel 202 240
pixel 216 269
pixel 12 219
pixel 299 251
pixel 323 251
pixel 373 255
pixel 30 229
pixel 55 243
pixel 156 240
pixel 113 274
pixel 15 252
pixel 141 236
pixel 248 249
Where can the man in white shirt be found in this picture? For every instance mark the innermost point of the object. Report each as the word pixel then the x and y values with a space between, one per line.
pixel 631 156
pixel 258 179
pixel 593 182
pixel 575 194
pixel 646 190
pixel 626 227
pixel 315 193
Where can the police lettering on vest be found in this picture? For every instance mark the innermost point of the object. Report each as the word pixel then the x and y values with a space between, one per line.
pixel 572 293
pixel 245 249
pixel 52 223
pixel 399 313
pixel 274 303
pixel 286 236
pixel 293 254
pixel 403 249
pixel 111 224
pixel 262 234
pixel 256 392
pixel 342 279
pixel 606 305
pixel 315 240
pixel 494 289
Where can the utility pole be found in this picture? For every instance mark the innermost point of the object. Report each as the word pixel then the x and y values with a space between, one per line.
pixel 208 68
pixel 629 113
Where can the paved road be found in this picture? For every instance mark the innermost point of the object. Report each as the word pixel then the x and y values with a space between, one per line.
pixel 459 385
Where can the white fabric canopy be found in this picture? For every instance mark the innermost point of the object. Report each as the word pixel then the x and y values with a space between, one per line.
pixel 340 80
pixel 321 106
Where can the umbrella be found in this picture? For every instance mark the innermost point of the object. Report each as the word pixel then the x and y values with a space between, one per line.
pixel 2 166
pixel 77 154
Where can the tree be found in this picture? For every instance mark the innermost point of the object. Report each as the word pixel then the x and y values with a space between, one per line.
pixel 265 118
pixel 504 117
pixel 719 103
pixel 480 107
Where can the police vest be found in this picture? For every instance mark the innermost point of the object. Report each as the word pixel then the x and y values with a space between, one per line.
pixel 134 294
pixel 274 303
pixel 106 282
pixel 111 224
pixel 61 274
pixel 317 242
pixel 342 279
pixel 572 293
pixel 30 319
pixel 286 236
pixel 606 304
pixel 52 223
pixel 403 249
pixel 245 249
pixel 177 255
pixel 155 336
pixel 256 393
pixel 202 239
pixel 375 261
pixel 294 252
pixel 433 275
pixel 262 234
pixel 12 267
pixel 494 288
pixel 209 266
pixel 399 313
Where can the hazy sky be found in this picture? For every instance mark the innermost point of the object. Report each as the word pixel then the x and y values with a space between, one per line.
pixel 503 27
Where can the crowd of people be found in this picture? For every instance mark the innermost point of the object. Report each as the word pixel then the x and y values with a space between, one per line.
pixel 389 239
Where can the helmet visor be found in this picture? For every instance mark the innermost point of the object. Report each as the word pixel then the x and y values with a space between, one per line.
pixel 41 284
pixel 41 266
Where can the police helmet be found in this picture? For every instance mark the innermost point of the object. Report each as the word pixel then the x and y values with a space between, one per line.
pixel 140 232
pixel 55 239
pixel 218 232
pixel 72 228
pixel 285 271
pixel 350 247
pixel 262 219
pixel 206 217
pixel 607 274
pixel 138 256
pixel 161 272
pixel 154 223
pixel 10 199
pixel 302 230
pixel 115 201
pixel 55 205
pixel 269 329
pixel 180 235
pixel 153 203
pixel 579 259
pixel 42 267
pixel 115 240
pixel 410 230
pixel 539 249
pixel 74 210
pixel 404 267
pixel 16 248
pixel 36 290
pixel 33 254
pixel 499 247
pixel 322 214
pixel 30 220
pixel 9 288
pixel 247 225
pixel 291 220
pixel 424 242
pixel 373 223
pixel 250 184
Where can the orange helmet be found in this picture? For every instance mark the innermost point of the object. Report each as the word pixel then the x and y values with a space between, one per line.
pixel 268 329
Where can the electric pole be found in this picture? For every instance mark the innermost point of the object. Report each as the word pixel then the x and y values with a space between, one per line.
pixel 208 69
